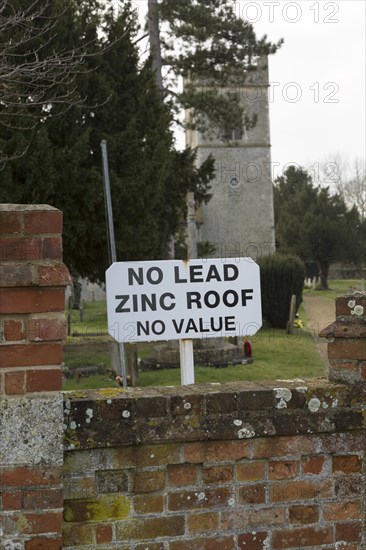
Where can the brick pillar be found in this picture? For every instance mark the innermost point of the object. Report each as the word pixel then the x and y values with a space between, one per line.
pixel 347 340
pixel 32 327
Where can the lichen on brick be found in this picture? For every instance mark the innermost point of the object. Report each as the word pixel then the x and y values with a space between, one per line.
pixel 96 510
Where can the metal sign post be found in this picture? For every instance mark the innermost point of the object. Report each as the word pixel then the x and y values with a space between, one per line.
pixel 112 242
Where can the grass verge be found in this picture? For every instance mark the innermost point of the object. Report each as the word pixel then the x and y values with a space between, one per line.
pixel 276 355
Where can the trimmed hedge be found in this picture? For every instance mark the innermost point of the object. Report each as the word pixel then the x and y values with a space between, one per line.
pixel 281 277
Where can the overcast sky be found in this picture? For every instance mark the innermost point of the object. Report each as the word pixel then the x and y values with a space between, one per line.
pixel 324 56
pixel 317 99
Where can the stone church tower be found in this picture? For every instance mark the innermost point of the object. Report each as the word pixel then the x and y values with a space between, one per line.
pixel 239 218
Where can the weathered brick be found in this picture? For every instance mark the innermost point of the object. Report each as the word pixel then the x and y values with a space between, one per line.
pixel 12 501
pixel 347 366
pixel 253 541
pixel 150 528
pixel 338 511
pixel 363 370
pixel 343 442
pixel 103 534
pixel 313 464
pixel 146 455
pixel 342 307
pixel 54 275
pixel 79 487
pixel 350 328
pixel 9 223
pixel 14 383
pixel 217 543
pixel 33 523
pixel 347 464
pixel 42 499
pixel 17 274
pixel 27 355
pixel 303 514
pixel 256 400
pixel 307 536
pixel 29 477
pixel 301 490
pixel 75 534
pixel 240 519
pixel 221 402
pixel 101 509
pixel 292 446
pixel 349 532
pixel 44 380
pixel 44 543
pixel 46 221
pixel 349 486
pixel 218 474
pixel 148 407
pixel 216 451
pixel 348 420
pixel 282 469
pixel 148 481
pixel 186 405
pixel 46 329
pixel 148 504
pixel 31 300
pixel 13 330
pixel 112 481
pixel 30 249
pixel 190 500
pixel 347 348
pixel 266 517
pixel 250 471
pixel 182 474
pixel 203 523
pixel 252 494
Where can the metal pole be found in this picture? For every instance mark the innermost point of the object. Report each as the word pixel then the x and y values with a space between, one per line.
pixel 108 198
pixel 112 240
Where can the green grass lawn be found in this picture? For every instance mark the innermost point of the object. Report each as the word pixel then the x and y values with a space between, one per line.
pixel 337 287
pixel 94 319
pixel 276 356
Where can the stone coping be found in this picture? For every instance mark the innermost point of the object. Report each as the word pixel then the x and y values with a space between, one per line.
pixel 237 410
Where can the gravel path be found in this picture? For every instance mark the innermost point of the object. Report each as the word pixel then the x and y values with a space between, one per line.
pixel 320 313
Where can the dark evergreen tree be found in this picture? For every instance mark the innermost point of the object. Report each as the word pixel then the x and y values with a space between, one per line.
pixel 314 224
pixel 63 166
pixel 208 45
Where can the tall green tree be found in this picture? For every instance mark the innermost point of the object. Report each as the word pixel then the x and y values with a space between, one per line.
pixel 314 224
pixel 209 45
pixel 38 71
pixel 63 167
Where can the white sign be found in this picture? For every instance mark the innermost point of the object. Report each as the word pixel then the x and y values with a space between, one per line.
pixel 174 299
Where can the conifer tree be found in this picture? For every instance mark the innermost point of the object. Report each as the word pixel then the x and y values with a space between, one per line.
pixel 314 224
pixel 62 165
pixel 209 45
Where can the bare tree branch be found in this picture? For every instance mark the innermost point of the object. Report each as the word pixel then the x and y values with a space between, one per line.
pixel 32 80
pixel 349 180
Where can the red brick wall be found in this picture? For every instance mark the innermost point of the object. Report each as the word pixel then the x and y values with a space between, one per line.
pixel 216 467
pixel 32 327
